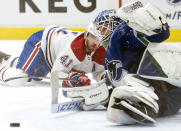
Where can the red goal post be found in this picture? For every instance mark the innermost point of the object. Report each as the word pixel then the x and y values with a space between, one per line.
pixel 120 3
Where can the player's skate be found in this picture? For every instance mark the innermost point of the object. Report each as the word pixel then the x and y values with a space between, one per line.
pixel 3 56
pixel 8 71
pixel 7 60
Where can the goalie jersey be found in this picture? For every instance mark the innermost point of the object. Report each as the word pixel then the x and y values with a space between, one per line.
pixel 60 49
pixel 125 51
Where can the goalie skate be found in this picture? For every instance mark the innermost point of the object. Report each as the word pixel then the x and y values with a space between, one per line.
pixel 140 112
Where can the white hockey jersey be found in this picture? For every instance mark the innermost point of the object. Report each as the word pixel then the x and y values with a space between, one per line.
pixel 65 52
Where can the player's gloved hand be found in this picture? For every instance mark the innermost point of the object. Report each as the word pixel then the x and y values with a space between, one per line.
pixel 80 80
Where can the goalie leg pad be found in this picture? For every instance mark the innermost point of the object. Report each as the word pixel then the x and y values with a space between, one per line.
pixel 167 69
pixel 118 116
pixel 136 99
pixel 139 90
pixel 141 112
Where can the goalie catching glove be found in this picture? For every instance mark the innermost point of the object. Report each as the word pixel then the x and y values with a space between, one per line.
pixel 78 79
pixel 143 17
pixel 134 102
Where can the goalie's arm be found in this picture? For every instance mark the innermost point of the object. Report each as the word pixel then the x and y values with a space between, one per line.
pixel 161 36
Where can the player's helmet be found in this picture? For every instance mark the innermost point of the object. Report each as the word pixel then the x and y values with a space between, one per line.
pixel 108 21
pixel 91 29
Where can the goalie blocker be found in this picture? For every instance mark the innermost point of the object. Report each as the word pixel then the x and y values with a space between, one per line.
pixel 84 97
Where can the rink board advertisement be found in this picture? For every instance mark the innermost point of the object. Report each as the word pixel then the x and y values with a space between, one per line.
pixel 74 13
pixel 21 18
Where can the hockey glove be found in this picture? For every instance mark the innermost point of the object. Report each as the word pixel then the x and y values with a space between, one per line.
pixel 80 80
pixel 92 95
pixel 144 17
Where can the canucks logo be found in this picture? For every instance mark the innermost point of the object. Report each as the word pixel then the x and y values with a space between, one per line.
pixel 174 2
pixel 115 70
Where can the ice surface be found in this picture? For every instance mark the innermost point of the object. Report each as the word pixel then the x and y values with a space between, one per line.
pixel 30 106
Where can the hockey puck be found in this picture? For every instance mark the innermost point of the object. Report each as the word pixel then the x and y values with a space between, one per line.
pixel 14 124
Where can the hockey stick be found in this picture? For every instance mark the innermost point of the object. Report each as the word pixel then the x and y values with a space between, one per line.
pixel 55 106
pixel 67 106
pixel 36 77
pixel 61 107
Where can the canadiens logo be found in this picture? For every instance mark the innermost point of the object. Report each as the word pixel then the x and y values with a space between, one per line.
pixel 174 2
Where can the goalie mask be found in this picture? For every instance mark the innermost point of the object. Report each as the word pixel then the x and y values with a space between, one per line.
pixel 105 23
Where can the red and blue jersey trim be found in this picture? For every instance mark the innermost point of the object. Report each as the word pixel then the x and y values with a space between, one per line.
pixel 32 57
pixel 48 54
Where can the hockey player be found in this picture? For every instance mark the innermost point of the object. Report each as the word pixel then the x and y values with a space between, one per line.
pixel 73 54
pixel 137 98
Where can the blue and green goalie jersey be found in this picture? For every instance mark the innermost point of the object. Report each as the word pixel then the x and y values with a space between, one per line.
pixel 125 50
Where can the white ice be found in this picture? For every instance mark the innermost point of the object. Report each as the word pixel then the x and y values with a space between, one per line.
pixel 30 106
